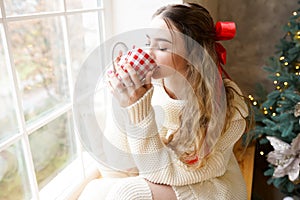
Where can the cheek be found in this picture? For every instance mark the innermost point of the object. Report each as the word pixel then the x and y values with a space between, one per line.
pixel 166 66
pixel 181 64
pixel 164 59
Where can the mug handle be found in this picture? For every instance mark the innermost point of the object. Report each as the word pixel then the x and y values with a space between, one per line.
pixel 125 48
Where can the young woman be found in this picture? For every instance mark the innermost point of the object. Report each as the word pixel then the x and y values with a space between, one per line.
pixel 183 121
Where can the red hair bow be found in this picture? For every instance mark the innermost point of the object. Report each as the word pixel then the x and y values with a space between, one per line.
pixel 224 31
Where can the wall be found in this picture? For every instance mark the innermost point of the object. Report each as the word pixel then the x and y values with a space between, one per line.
pixel 259 29
pixel 134 14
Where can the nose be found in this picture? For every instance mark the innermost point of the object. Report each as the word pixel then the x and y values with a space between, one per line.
pixel 151 52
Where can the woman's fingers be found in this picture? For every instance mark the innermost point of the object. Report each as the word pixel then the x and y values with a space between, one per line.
pixel 133 75
pixel 148 80
pixel 125 84
pixel 117 60
pixel 116 83
pixel 125 77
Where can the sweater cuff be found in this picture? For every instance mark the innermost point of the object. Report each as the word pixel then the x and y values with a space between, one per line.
pixel 140 109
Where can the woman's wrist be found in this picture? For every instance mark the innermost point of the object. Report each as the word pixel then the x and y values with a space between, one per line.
pixel 141 108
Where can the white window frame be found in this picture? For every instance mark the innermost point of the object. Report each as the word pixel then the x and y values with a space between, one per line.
pixel 52 190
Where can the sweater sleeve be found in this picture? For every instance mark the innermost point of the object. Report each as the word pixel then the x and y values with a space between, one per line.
pixel 158 163
pixel 116 159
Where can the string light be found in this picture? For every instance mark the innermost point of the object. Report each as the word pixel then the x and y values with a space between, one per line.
pixel 278 87
pixel 297 67
pixel 273 114
pixel 294 13
pixel 275 82
pixel 261 153
pixel 286 63
pixel 271 108
pixel 250 97
pixel 285 83
pixel 281 58
pixel 265 112
pixel 297 73
pixel 277 74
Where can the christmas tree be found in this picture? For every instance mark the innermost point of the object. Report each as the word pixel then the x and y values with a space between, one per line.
pixel 278 116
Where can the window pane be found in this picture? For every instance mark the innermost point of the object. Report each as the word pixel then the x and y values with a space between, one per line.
pixel 14 183
pixel 8 122
pixel 52 147
pixel 84 37
pixel 17 7
pixel 39 57
pixel 79 4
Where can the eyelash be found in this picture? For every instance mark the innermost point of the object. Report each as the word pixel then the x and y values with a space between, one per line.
pixel 161 49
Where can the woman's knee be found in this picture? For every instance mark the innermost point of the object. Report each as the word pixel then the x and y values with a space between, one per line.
pixel 162 192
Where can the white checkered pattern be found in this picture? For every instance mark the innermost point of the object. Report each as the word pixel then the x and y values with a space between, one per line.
pixel 140 61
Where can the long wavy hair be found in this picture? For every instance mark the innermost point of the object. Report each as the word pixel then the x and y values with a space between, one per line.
pixel 195 22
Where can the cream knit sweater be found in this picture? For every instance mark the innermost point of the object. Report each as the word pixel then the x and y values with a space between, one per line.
pixel 154 116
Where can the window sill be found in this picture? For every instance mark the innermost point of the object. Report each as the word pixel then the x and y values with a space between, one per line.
pixel 69 183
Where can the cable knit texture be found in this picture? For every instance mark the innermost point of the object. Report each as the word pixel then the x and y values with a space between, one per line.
pixel 219 178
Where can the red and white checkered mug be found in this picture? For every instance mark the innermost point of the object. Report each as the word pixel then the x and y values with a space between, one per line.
pixel 140 61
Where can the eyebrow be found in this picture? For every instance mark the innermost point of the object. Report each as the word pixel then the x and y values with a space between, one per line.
pixel 159 39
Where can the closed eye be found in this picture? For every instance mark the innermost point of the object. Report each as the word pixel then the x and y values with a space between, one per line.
pixel 163 49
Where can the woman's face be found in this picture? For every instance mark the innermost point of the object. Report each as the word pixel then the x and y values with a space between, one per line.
pixel 165 50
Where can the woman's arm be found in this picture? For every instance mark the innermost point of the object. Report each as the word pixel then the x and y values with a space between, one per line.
pixel 159 164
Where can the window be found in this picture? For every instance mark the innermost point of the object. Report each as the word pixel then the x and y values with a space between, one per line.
pixel 42 46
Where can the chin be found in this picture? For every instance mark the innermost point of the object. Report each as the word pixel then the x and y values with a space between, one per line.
pixel 161 72
pixel 157 73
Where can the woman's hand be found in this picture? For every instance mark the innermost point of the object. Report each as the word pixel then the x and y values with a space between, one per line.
pixel 125 85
